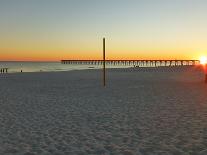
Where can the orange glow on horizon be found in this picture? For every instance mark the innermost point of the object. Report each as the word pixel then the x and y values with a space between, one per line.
pixel 57 56
pixel 83 53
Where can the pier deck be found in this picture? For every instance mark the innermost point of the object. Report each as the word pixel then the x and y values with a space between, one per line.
pixel 134 62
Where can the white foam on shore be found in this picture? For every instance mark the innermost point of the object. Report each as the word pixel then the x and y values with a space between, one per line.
pixel 142 111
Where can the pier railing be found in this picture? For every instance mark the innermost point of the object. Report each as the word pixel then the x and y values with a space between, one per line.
pixel 134 62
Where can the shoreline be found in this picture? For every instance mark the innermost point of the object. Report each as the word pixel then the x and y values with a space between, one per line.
pixel 166 68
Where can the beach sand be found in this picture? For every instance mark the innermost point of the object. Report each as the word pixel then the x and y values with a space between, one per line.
pixel 141 111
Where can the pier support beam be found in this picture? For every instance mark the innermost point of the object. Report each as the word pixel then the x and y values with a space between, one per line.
pixel 4 70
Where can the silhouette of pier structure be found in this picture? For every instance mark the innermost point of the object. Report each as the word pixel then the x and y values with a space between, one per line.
pixel 3 70
pixel 140 63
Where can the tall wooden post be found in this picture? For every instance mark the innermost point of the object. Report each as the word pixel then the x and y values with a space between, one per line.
pixel 104 63
pixel 205 78
pixel 205 73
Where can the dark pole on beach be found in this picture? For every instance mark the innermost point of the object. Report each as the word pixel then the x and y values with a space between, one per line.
pixel 104 65
pixel 205 73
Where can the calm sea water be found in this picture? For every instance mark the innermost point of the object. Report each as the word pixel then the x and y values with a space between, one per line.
pixel 47 66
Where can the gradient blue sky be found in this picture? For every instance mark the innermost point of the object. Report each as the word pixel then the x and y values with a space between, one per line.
pixel 71 29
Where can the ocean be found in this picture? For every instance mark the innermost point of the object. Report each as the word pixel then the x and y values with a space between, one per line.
pixel 15 67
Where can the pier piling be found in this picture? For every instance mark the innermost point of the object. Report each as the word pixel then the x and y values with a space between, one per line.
pixel 4 70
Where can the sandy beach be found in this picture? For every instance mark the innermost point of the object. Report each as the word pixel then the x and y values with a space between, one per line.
pixel 142 111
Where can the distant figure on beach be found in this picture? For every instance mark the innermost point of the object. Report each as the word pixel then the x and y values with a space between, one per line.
pixel 21 71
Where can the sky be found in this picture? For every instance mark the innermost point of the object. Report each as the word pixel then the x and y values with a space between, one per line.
pixel 51 30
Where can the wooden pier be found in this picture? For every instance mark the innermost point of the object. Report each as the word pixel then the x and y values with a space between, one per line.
pixel 140 63
pixel 3 70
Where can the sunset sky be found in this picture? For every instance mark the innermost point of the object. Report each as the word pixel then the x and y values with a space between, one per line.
pixel 50 30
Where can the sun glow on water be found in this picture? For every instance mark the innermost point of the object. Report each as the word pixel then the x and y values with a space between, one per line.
pixel 203 60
